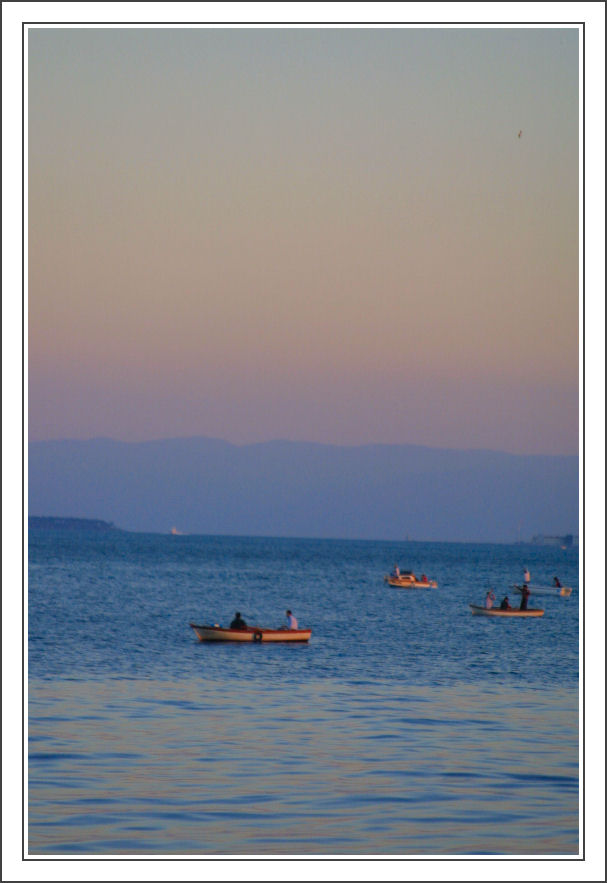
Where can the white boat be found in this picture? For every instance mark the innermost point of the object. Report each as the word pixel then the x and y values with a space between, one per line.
pixel 407 580
pixel 562 591
pixel 250 635
pixel 497 611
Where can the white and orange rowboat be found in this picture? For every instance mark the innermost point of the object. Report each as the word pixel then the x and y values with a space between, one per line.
pixel 477 610
pixel 251 635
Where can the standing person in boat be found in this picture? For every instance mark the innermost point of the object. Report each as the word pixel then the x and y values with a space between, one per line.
pixel 557 582
pixel 238 622
pixel 489 599
pixel 291 621
pixel 525 597
pixel 505 605
pixel 396 571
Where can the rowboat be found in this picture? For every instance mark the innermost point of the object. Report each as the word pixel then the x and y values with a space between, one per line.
pixel 251 635
pixel 497 611
pixel 408 580
pixel 563 591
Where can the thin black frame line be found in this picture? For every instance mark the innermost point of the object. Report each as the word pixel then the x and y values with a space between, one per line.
pixel 583 404
pixel 581 857
pixel 307 23
pixel 317 858
pixel 23 510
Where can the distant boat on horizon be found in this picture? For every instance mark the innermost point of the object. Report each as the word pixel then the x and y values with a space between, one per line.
pixel 176 533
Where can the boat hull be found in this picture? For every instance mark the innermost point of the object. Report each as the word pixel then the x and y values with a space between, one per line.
pixel 562 591
pixel 497 611
pixel 403 582
pixel 251 635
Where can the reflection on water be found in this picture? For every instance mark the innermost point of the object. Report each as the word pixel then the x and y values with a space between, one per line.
pixel 142 767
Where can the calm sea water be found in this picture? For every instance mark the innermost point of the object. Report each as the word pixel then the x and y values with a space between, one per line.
pixel 405 727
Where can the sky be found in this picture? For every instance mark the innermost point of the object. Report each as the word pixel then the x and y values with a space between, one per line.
pixel 346 236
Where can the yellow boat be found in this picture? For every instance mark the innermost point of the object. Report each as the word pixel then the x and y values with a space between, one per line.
pixel 408 580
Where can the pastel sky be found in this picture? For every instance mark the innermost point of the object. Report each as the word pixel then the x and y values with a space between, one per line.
pixel 332 235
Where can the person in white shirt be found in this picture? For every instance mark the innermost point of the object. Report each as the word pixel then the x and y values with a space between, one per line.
pixel 291 621
pixel 489 599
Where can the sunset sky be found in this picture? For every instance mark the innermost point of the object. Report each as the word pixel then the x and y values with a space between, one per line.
pixel 332 235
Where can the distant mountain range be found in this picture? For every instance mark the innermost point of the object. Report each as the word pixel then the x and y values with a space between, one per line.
pixel 279 488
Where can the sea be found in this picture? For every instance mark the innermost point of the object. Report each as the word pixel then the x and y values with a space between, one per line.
pixel 405 727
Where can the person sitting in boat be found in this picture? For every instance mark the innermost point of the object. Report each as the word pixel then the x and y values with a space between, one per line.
pixel 489 599
pixel 505 605
pixel 423 578
pixel 291 621
pixel 524 596
pixel 238 622
pixel 557 582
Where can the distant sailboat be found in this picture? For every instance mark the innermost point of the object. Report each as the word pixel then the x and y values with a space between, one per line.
pixel 175 532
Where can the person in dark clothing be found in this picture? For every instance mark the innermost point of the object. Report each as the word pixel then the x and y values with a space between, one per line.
pixel 525 597
pixel 505 605
pixel 238 622
pixel 557 582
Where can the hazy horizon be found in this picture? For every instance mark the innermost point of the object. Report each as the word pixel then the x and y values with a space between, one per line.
pixel 208 486
pixel 301 441
pixel 346 236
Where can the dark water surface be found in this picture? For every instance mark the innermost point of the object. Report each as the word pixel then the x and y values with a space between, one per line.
pixel 406 727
